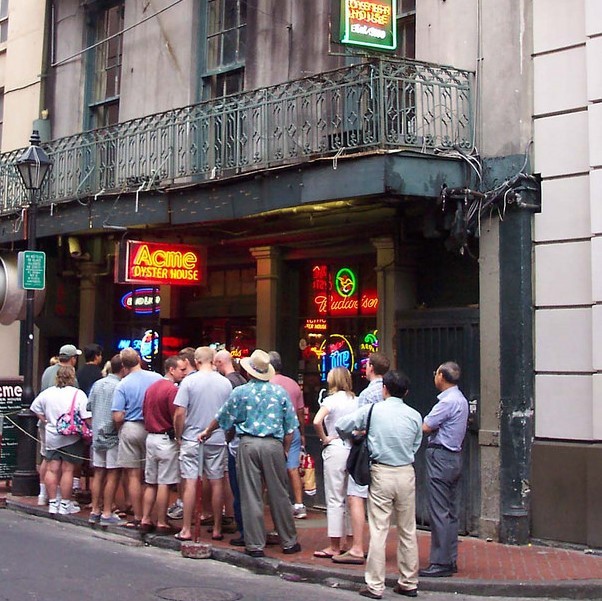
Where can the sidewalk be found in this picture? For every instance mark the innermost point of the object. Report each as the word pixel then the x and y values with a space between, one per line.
pixel 484 568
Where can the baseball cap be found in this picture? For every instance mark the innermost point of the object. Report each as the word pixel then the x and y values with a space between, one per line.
pixel 68 350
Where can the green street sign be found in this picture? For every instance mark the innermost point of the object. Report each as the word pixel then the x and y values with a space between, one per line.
pixel 31 267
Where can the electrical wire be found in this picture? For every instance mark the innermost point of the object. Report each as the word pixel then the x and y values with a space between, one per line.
pixel 115 35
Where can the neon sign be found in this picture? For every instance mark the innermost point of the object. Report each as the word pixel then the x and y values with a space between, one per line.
pixel 147 346
pixel 158 263
pixel 142 301
pixel 315 325
pixel 337 351
pixel 370 343
pixel 345 282
pixel 369 23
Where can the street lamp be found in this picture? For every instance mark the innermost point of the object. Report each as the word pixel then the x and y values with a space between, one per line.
pixel 33 166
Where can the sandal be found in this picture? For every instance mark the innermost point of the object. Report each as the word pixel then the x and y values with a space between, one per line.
pixel 133 524
pixel 146 528
pixel 179 537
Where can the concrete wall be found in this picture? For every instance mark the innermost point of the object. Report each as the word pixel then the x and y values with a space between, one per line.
pixel 568 274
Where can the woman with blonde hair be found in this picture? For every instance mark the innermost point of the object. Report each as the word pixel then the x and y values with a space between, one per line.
pixel 63 453
pixel 340 402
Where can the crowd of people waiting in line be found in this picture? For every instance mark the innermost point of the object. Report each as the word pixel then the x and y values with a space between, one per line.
pixel 204 421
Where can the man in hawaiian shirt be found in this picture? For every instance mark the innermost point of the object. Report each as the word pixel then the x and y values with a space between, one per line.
pixel 265 421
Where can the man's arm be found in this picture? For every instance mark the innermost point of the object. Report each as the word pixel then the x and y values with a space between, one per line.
pixel 118 419
pixel 286 442
pixel 426 428
pixel 178 422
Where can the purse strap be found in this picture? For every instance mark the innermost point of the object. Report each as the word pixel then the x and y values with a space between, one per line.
pixel 369 417
pixel 72 407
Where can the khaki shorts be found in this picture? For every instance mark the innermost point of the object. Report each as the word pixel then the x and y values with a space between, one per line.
pixel 105 458
pixel 132 445
pixel 42 438
pixel 198 459
pixel 162 465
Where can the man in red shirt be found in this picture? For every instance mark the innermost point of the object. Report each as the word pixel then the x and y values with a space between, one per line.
pixel 162 466
pixel 292 461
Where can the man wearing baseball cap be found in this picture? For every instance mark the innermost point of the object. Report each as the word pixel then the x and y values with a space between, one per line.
pixel 68 355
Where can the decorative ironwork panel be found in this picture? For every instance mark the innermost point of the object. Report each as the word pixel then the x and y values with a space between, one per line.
pixel 382 104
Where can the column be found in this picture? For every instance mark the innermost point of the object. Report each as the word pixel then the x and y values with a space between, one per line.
pixel 87 301
pixel 268 274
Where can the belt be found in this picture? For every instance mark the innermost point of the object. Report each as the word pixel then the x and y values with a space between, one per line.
pixel 385 464
pixel 159 433
pixel 434 445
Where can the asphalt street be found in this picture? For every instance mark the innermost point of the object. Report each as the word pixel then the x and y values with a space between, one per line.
pixel 43 560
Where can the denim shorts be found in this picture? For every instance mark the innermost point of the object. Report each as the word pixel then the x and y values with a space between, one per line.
pixel 292 459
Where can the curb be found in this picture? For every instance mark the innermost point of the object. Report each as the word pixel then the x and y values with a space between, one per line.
pixel 337 578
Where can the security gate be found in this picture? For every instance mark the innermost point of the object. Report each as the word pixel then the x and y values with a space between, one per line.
pixel 427 338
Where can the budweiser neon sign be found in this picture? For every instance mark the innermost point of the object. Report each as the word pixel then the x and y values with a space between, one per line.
pixel 158 263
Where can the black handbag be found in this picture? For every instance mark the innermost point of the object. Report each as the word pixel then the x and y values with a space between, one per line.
pixel 358 461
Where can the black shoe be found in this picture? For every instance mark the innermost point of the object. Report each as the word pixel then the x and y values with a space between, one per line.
pixel 436 570
pixel 238 542
pixel 296 548
pixel 413 592
pixel 366 592
pixel 255 552
pixel 454 567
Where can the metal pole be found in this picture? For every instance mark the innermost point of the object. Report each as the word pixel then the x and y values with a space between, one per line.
pixel 25 479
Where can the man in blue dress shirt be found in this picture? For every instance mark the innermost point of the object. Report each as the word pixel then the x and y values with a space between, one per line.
pixel 446 426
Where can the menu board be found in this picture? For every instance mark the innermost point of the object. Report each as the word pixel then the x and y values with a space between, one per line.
pixel 11 391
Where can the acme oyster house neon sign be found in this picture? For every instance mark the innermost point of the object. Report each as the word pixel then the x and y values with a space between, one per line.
pixel 156 263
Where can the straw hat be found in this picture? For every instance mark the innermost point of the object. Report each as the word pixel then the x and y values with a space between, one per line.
pixel 258 365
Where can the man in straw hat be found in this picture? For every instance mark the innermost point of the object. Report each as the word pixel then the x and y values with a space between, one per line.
pixel 265 420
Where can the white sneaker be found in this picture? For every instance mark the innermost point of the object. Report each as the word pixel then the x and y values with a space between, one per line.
pixel 53 506
pixel 42 499
pixel 176 511
pixel 299 512
pixel 68 507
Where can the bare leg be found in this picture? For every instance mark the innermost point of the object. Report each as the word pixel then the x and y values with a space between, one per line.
pixel 188 498
pixel 161 504
pixel 135 490
pixel 98 482
pixel 217 503
pixel 295 479
pixel 358 519
pixel 148 503
pixel 206 497
pixel 53 470
pixel 66 480
pixel 112 480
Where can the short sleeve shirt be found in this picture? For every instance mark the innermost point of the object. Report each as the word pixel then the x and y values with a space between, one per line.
pixel 259 409
pixel 448 419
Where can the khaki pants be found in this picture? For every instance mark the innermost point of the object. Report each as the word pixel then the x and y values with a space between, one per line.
pixel 392 492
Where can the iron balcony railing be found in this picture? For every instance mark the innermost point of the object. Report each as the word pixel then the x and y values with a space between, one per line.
pixel 382 104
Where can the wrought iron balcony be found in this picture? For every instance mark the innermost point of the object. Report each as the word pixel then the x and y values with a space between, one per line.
pixel 380 105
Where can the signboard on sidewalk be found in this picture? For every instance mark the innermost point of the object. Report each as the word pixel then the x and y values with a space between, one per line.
pixel 11 392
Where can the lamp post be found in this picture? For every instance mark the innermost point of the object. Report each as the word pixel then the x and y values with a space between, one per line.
pixel 33 165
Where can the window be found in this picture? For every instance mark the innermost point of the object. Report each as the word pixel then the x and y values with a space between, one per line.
pixel 406 28
pixel 225 49
pixel 3 21
pixel 105 69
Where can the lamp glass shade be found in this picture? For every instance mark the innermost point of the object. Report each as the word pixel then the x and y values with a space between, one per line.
pixel 33 165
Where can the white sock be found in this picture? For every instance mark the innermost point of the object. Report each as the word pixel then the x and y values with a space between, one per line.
pixel 75 483
pixel 42 490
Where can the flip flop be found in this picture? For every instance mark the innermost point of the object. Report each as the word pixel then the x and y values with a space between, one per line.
pixel 217 537
pixel 146 528
pixel 349 559
pixel 323 555
pixel 132 525
pixel 181 538
pixel 163 530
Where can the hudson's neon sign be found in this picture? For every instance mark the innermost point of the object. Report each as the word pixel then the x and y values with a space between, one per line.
pixel 157 263
pixel 142 301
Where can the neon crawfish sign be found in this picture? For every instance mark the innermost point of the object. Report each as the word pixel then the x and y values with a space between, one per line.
pixel 159 263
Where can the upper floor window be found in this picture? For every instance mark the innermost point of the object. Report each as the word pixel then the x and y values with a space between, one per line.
pixel 105 68
pixel 3 21
pixel 406 28
pixel 225 48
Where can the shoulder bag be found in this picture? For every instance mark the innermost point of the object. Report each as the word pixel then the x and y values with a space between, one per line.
pixel 72 424
pixel 358 461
